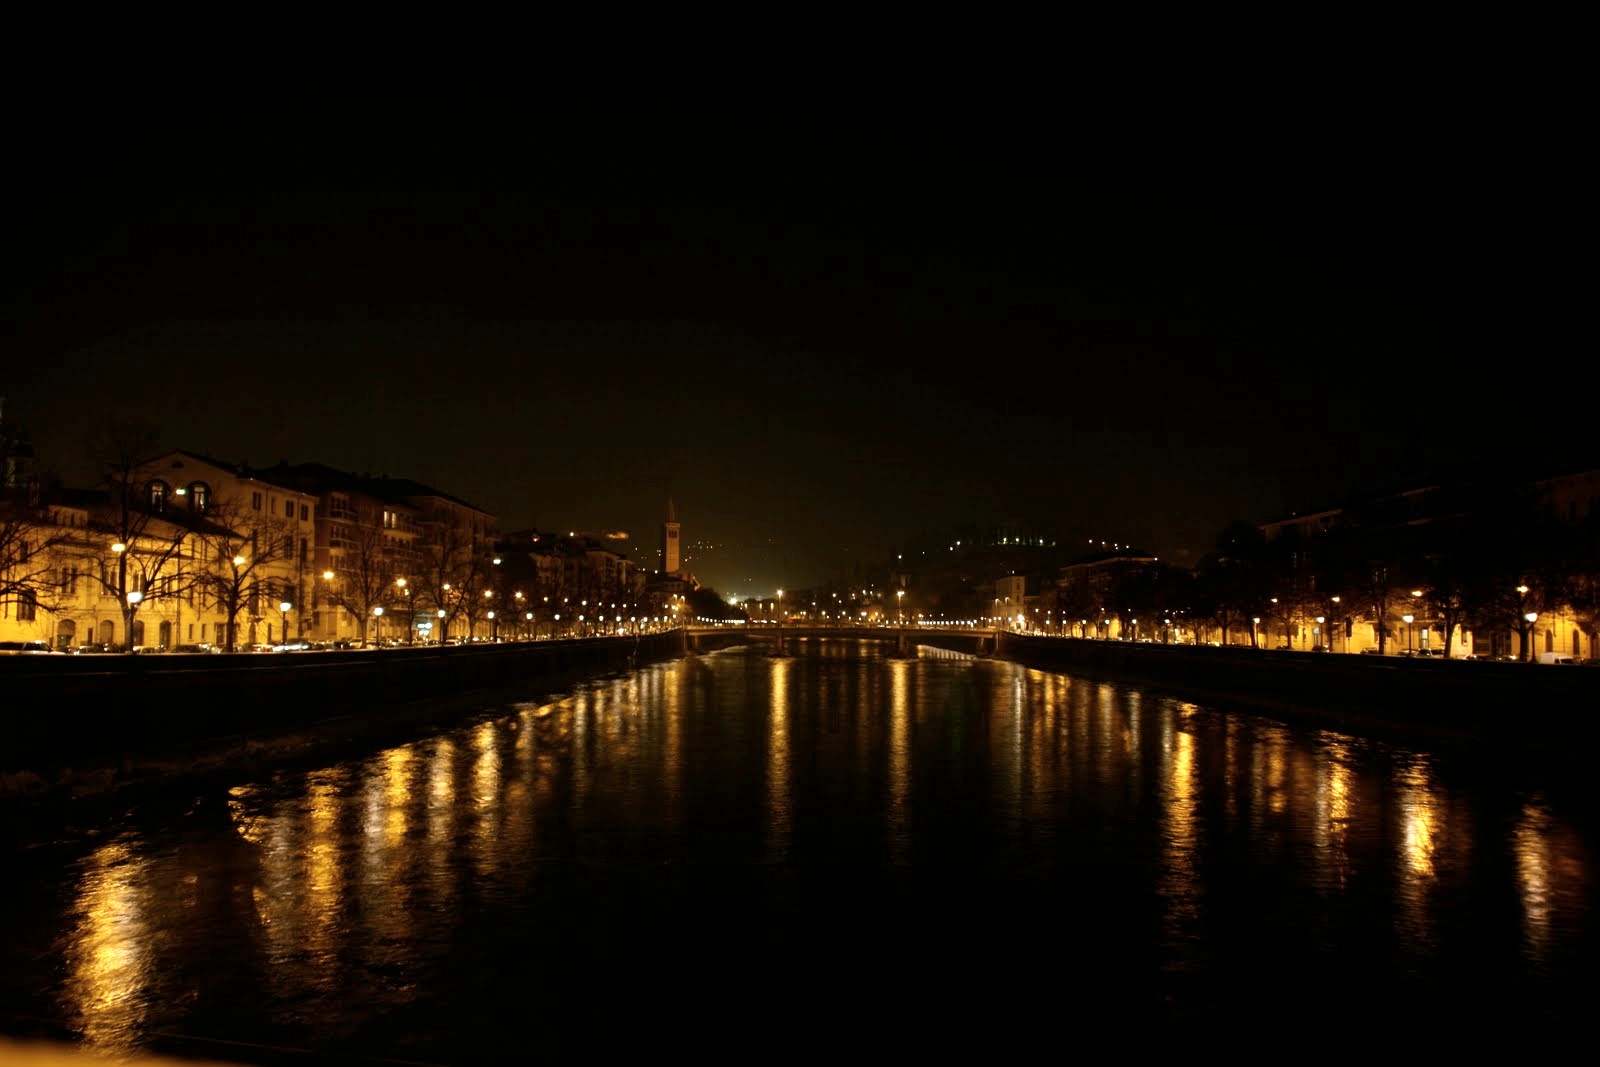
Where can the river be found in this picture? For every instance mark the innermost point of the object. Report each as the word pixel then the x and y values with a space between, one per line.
pixel 827 855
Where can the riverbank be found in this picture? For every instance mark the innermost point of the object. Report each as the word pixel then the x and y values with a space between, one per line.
pixel 78 726
pixel 1533 709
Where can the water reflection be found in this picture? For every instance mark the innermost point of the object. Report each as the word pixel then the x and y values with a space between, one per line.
pixel 1418 843
pixel 899 821
pixel 1333 810
pixel 886 823
pixel 780 810
pixel 109 950
pixel 1179 884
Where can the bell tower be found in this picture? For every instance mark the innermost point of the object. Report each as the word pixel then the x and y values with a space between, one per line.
pixel 671 559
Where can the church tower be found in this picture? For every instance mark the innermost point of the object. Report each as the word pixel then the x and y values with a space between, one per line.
pixel 671 560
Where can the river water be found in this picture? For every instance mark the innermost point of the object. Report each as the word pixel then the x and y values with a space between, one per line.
pixel 831 854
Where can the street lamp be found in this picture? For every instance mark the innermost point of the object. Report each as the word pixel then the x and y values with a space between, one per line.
pixel 283 619
pixel 899 600
pixel 1532 617
pixel 780 607
pixel 377 624
pixel 1255 620
pixel 1320 635
pixel 1407 620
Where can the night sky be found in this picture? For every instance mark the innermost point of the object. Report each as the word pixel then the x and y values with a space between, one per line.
pixel 831 288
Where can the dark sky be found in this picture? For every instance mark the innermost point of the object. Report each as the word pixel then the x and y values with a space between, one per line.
pixel 829 287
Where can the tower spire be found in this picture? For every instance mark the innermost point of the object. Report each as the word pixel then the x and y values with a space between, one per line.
pixel 671 559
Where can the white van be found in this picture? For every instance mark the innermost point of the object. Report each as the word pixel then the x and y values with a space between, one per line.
pixel 1556 657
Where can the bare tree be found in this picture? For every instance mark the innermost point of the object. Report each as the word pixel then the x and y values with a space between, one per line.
pixel 150 560
pixel 363 577
pixel 31 552
pixel 240 548
pixel 446 574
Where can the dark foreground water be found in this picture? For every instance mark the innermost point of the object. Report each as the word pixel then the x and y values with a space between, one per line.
pixel 830 856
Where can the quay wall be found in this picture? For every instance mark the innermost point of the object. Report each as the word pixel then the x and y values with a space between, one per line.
pixel 77 711
pixel 1472 702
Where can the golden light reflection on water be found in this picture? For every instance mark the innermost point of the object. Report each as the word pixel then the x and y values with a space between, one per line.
pixel 1179 885
pixel 1009 702
pixel 898 825
pixel 1272 796
pixel 1333 805
pixel 1421 826
pixel 484 845
pixel 307 902
pixel 1047 743
pixel 109 950
pixel 675 678
pixel 780 803
pixel 1110 738
pixel 1554 879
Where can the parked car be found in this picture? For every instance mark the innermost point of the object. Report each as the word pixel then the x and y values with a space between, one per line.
pixel 27 648
pixel 1561 658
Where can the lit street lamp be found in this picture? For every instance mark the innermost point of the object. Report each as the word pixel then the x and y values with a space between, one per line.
pixel 283 620
pixel 1407 620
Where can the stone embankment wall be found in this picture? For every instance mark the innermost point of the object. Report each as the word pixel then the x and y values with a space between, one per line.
pixel 1556 708
pixel 67 714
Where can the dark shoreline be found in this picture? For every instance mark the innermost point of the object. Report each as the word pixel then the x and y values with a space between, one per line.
pixel 85 727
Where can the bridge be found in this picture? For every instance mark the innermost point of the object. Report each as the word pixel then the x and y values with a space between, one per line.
pixel 978 641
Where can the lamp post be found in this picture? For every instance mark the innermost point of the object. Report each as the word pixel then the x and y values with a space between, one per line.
pixel 1318 634
pixel 1335 617
pixel 377 625
pixel 1528 617
pixel 1407 620
pixel 1255 620
pixel 899 600
pixel 283 620
pixel 411 627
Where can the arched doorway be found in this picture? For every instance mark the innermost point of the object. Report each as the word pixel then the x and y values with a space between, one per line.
pixel 66 633
pixel 137 638
pixel 166 634
pixel 108 632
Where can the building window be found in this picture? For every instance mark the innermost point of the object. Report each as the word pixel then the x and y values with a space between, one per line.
pixel 158 497
pixel 288 509
pixel 305 513
pixel 27 606
pixel 199 497
pixel 255 501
